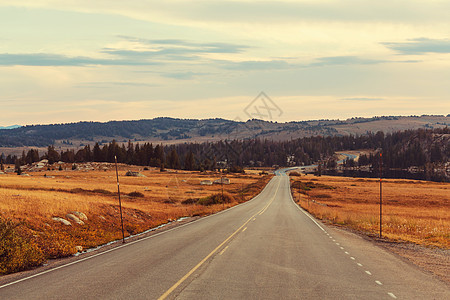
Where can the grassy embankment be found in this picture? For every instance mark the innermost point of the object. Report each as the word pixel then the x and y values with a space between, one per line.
pixel 413 211
pixel 29 204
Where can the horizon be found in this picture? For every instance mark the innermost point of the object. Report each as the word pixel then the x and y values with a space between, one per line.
pixel 84 60
pixel 200 119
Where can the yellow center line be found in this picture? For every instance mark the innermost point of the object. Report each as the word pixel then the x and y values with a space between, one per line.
pixel 244 229
pixel 177 284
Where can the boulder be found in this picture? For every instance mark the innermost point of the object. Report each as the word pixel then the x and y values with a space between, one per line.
pixel 61 220
pixel 80 215
pixel 223 180
pixel 79 248
pixel 74 219
pixel 134 174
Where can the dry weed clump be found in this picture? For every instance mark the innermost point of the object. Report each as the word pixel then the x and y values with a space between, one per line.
pixel 16 252
pixel 34 205
pixel 413 211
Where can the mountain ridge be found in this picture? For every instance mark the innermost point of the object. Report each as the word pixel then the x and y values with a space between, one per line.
pixel 175 130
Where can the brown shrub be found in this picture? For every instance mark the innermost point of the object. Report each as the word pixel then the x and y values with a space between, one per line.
pixel 216 199
pixel 16 252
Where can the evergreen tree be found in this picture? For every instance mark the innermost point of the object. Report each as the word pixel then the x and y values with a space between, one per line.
pixel 189 161
pixel 173 162
pixel 97 153
pixel 158 156
pixel 17 167
pixel 52 155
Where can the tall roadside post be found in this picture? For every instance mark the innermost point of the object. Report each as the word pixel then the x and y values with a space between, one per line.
pixel 120 203
pixel 381 193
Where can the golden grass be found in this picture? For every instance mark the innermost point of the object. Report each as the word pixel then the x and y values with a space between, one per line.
pixel 414 211
pixel 36 199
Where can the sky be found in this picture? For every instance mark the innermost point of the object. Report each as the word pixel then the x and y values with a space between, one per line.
pixel 67 61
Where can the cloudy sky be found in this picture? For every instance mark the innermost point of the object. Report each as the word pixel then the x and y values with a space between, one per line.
pixel 74 60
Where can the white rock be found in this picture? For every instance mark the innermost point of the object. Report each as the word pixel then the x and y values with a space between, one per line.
pixel 80 215
pixel 64 221
pixel 79 248
pixel 75 219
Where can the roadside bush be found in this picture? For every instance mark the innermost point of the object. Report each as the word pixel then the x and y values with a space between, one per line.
pixel 16 253
pixel 307 186
pixel 216 199
pixel 102 191
pixel 294 174
pixel 189 201
pixel 136 195
pixel 236 169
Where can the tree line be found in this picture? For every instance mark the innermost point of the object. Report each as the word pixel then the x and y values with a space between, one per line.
pixel 423 148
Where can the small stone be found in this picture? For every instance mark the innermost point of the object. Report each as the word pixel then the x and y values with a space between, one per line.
pixel 79 248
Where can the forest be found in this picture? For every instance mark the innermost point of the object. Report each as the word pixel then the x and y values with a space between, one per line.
pixel 426 151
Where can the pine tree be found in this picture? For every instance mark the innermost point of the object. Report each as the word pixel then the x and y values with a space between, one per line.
pixel 173 162
pixel 52 155
pixel 97 153
pixel 189 162
pixel 17 165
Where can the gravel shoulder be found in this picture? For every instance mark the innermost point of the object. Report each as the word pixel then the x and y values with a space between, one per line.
pixel 432 260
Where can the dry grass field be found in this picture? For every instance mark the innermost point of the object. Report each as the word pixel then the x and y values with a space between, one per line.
pixel 413 211
pixel 32 202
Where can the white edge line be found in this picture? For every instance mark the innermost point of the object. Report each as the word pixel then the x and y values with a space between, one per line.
pixel 130 243
pixel 303 211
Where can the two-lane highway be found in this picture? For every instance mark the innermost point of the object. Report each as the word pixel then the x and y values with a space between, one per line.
pixel 267 248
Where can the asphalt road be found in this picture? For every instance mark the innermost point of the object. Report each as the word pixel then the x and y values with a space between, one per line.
pixel 267 248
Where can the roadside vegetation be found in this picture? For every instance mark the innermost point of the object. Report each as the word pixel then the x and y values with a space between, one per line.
pixel 53 214
pixel 413 211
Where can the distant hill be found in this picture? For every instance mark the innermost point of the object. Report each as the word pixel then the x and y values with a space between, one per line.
pixel 171 130
pixel 10 127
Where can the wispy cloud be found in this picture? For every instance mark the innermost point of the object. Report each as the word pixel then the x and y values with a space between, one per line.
pixel 213 47
pixel 420 46
pixel 255 65
pixel 183 75
pixel 114 84
pixel 49 59
pixel 362 99
pixel 345 60
pixel 171 49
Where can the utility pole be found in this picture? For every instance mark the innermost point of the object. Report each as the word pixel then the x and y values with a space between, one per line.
pixel 381 194
pixel 120 203
pixel 221 183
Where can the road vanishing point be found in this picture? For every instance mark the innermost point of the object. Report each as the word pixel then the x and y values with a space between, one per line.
pixel 266 248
